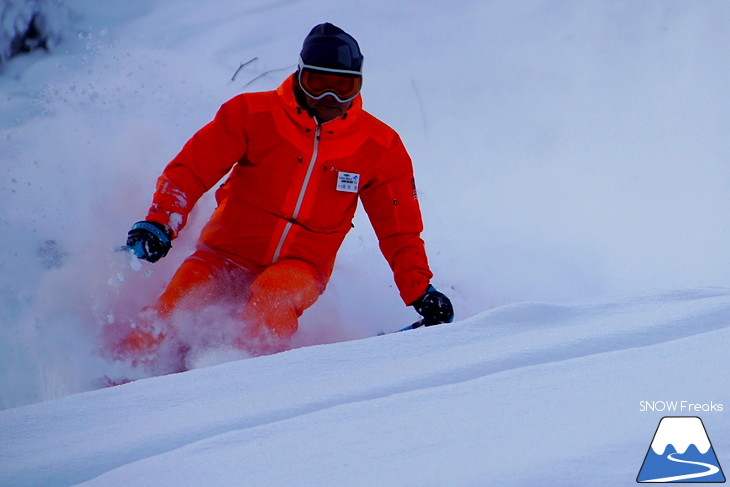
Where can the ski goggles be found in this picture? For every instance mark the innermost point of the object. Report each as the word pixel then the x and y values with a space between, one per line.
pixel 318 82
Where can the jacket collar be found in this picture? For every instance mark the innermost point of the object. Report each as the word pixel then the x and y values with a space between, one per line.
pixel 286 94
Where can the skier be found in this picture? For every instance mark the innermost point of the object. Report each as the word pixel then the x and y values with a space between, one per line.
pixel 297 160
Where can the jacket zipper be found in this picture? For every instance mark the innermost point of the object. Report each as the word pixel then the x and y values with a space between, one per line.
pixel 302 191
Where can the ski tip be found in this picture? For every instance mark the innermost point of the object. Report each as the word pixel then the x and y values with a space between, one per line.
pixel 107 381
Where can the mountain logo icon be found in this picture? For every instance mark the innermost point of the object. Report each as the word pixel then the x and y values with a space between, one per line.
pixel 680 452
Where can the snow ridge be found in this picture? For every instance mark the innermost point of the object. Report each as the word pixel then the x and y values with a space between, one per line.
pixel 240 400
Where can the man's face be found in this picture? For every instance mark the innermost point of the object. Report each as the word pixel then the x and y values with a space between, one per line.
pixel 329 95
pixel 327 108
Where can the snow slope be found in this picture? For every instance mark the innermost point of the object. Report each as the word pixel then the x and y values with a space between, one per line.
pixel 527 394
pixel 570 152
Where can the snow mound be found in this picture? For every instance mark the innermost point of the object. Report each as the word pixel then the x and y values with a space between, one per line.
pixel 26 25
pixel 534 389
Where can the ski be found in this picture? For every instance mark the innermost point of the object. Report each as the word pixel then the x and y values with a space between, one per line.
pixel 106 381
pixel 413 326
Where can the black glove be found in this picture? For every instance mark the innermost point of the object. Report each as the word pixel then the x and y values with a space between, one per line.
pixel 148 240
pixel 435 307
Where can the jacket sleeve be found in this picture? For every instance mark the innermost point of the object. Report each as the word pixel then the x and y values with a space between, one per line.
pixel 391 202
pixel 204 160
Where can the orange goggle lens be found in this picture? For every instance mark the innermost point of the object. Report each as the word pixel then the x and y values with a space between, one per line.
pixel 318 84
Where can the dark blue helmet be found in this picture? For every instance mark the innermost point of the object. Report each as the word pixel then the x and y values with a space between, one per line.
pixel 329 47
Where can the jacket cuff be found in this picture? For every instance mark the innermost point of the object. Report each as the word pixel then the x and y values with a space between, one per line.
pixel 412 295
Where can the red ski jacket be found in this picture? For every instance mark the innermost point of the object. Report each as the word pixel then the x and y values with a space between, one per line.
pixel 293 187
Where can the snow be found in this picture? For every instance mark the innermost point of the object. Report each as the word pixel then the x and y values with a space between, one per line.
pixel 16 16
pixel 572 168
pixel 519 395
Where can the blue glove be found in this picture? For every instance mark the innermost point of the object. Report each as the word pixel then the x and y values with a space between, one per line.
pixel 148 240
pixel 435 307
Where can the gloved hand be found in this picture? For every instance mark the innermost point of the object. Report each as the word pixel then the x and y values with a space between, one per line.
pixel 435 307
pixel 148 240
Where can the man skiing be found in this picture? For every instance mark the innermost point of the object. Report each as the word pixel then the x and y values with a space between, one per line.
pixel 297 160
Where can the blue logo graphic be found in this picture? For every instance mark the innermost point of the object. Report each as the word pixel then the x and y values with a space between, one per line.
pixel 681 452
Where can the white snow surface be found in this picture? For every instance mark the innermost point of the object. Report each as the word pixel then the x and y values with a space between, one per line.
pixel 571 159
pixel 526 394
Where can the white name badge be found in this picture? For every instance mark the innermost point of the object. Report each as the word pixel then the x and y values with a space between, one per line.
pixel 347 181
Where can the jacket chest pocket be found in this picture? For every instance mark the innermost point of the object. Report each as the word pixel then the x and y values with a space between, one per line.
pixel 332 206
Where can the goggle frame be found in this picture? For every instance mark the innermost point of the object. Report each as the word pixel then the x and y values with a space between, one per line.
pixel 349 74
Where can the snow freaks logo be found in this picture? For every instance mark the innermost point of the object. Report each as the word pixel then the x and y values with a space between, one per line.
pixel 680 452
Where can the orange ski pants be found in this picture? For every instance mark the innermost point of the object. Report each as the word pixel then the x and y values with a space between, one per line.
pixel 274 299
